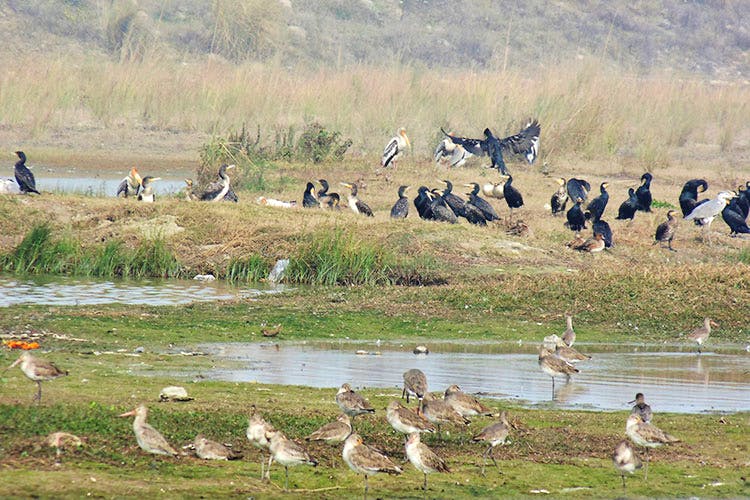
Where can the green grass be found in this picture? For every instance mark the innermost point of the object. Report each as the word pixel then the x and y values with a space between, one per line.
pixel 251 269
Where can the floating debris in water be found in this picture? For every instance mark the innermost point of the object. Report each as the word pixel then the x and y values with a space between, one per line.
pixel 204 277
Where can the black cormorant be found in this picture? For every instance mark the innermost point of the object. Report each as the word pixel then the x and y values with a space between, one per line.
pixel 643 193
pixel 734 218
pixel 401 208
pixel 576 219
pixel 130 185
pixel 394 148
pixel 454 202
pixel 334 201
pixel 599 204
pixel 665 231
pixel 216 191
pixel 308 199
pixel 512 195
pixel 422 203
pixel 480 203
pixel 602 227
pixel 324 195
pixel 441 212
pixel 628 207
pixel 578 188
pixel 559 198
pixel 24 177
pixel 358 206
pixel 689 195
pixel 147 190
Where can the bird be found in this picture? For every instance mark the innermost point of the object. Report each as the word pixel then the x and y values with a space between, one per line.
pixel 334 432
pixel 641 408
pixel 9 186
pixel 358 206
pixel 629 207
pixel 625 460
pixel 287 453
pixel 440 412
pixel 554 366
pixel 271 331
pixel 701 334
pixel 706 212
pixel 602 227
pixel 189 195
pixel 423 204
pixel 465 405
pixel 480 203
pixel 218 190
pixel 599 204
pixel 689 195
pixel 567 353
pixel 333 202
pixel 576 220
pixel 455 153
pixel 441 212
pixel 131 184
pixel 149 439
pixel 593 244
pixel 421 349
pixel 559 198
pixel 494 434
pixel 147 190
pixel 578 188
pixel 643 193
pixel 455 203
pixel 493 189
pixel 525 142
pixel 38 370
pixel 415 384
pixel 406 421
pixel 308 198
pixel 325 198
pixel 351 403
pixel 401 208
pixel 395 148
pixel 646 435
pixel 666 230
pixel 423 458
pixel 211 450
pixel 735 218
pixel 257 433
pixel 569 335
pixel 512 196
pixel 24 177
pixel 366 460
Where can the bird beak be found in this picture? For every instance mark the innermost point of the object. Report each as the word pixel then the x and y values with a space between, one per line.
pixel 14 364
pixel 231 166
pixel 128 414
pixel 346 184
pixel 631 402
pixel 406 138
pixel 156 179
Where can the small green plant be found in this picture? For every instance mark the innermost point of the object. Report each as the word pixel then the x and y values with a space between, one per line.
pixel 250 269
pixel 744 256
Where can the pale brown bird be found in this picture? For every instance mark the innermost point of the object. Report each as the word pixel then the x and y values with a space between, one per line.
pixel 494 434
pixel 415 384
pixel 569 335
pixel 592 245
pixel 365 460
pixel 569 354
pixel 257 433
pixel 287 453
pixel 666 230
pixel 423 458
pixel 701 334
pixel 404 420
pixel 554 366
pixel 149 439
pixel 334 432
pixel 211 450
pixel 465 405
pixel 352 403
pixel 646 435
pixel 271 332
pixel 38 369
pixel 625 460
pixel 439 412
pixel 62 440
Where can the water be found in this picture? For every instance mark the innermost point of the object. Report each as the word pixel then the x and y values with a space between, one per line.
pixel 680 382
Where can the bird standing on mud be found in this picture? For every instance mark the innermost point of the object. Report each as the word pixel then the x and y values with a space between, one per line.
pixel 217 191
pixel 24 177
pixel 395 148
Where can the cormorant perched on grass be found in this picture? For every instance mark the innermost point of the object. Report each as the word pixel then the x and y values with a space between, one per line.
pixel 689 195
pixel 599 204
pixel 628 207
pixel 735 219
pixel 358 206
pixel 422 203
pixel 334 201
pixel 665 231
pixel 454 202
pixel 559 198
pixel 480 203
pixel 643 193
pixel 576 219
pixel 216 191
pixel 308 199
pixel 130 185
pixel 602 227
pixel 441 212
pixel 147 191
pixel 512 195
pixel 324 195
pixel 578 188
pixel 24 177
pixel 401 208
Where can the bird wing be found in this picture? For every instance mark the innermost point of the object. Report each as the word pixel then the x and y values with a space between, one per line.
pixel 26 180
pixel 369 459
pixel 441 150
pixel 123 187
pixel 474 146
pixel 390 152
pixel 363 208
pixel 154 440
pixel 525 142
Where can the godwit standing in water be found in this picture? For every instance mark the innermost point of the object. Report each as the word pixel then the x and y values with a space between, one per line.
pixel 700 335
pixel 423 458
pixel 554 366
pixel 415 384
pixel 567 353
pixel 333 433
pixel 149 439
pixel 403 420
pixel 494 434
pixel 365 460
pixel 569 335
pixel 257 431
pixel 625 460
pixel 465 405
pixel 38 369
pixel 439 412
pixel 641 408
pixel 211 450
pixel 287 453
pixel 352 403
pixel 646 435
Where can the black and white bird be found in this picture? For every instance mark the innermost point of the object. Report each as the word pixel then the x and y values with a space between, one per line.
pixel 395 147
pixel 559 198
pixel 643 193
pixel 217 191
pixel 325 198
pixel 454 154
pixel 401 208
pixel 147 190
pixel 309 200
pixel 131 184
pixel 358 206
pixel 628 207
pixel 24 177
pixel 706 212
pixel 578 188
pixel 525 142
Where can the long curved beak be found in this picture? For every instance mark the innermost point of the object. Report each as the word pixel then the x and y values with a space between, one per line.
pixel 128 414
pixel 346 184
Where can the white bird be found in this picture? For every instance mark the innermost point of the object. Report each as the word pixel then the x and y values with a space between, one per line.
pixel 625 460
pixel 455 153
pixel 395 148
pixel 147 191
pixel 9 186
pixel 706 212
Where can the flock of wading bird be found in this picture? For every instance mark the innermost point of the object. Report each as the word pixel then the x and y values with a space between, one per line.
pixel 557 358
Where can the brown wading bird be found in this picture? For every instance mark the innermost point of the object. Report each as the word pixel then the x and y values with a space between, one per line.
pixel 592 245
pixel 334 432
pixel 365 460
pixel 494 434
pixel 465 405
pixel 625 460
pixel 423 458
pixel 554 366
pixel 38 369
pixel 271 331
pixel 287 453
pixel 701 334
pixel 641 408
pixel 352 403
pixel 211 450
pixel 569 335
pixel 666 230
pixel 257 431
pixel 569 354
pixel 646 435
pixel 415 384
pixel 439 412
pixel 149 439
pixel 404 420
